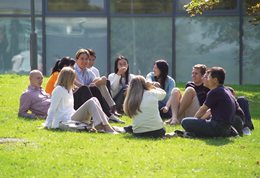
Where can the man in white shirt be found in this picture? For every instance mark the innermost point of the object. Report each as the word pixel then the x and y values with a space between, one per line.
pixel 85 77
pixel 92 61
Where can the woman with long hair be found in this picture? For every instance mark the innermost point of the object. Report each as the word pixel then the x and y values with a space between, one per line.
pixel 160 78
pixel 141 104
pixel 119 81
pixel 61 108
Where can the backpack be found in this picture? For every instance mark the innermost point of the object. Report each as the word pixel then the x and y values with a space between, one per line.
pixel 76 126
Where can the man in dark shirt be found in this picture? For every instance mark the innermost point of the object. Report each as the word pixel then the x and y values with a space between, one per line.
pixel 222 104
pixel 193 97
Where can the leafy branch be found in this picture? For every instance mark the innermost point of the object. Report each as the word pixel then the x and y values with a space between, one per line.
pixel 195 7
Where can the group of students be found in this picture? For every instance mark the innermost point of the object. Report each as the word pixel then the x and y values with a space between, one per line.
pixel 77 92
pixel 87 86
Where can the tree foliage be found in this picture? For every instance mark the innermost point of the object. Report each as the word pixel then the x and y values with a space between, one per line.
pixel 195 7
pixel 254 9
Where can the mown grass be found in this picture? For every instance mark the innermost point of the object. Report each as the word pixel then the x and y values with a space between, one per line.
pixel 69 154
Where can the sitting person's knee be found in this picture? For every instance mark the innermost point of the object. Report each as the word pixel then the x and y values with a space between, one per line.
pixel 190 90
pixel 175 91
pixel 185 122
pixel 242 99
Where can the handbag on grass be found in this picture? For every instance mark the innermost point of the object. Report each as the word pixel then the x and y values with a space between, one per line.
pixel 76 126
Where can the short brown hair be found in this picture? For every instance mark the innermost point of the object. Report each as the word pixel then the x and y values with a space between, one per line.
pixel 201 67
pixel 217 72
pixel 91 52
pixel 81 51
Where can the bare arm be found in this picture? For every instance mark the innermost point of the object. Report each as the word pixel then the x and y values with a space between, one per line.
pixel 207 115
pixel 201 112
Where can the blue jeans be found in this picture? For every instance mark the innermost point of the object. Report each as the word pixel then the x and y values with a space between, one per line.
pixel 243 103
pixel 205 128
pixel 120 98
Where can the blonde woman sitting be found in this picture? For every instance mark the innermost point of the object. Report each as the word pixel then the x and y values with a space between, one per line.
pixel 61 108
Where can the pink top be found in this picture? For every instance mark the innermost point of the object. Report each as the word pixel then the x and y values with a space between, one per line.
pixel 37 101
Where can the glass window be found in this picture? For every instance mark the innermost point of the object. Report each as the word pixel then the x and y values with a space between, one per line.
pixel 141 6
pixel 75 5
pixel 223 5
pixel 64 36
pixel 19 7
pixel 141 41
pixel 251 58
pixel 213 41
pixel 15 44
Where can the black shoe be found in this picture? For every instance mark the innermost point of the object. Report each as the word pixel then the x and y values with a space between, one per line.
pixel 184 134
pixel 114 111
pixel 128 129
pixel 233 132
pixel 115 119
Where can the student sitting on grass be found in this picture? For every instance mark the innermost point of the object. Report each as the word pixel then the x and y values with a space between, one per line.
pixel 160 78
pixel 119 81
pixel 61 108
pixel 222 105
pixel 34 102
pixel 87 81
pixel 141 104
pixel 244 105
pixel 187 105
pixel 63 62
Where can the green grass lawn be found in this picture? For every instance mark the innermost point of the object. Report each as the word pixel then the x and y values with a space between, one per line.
pixel 46 153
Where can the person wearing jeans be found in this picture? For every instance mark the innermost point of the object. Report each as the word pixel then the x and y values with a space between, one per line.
pixel 222 104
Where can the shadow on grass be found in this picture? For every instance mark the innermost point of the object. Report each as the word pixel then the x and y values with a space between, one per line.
pixel 31 119
pixel 132 137
pixel 218 141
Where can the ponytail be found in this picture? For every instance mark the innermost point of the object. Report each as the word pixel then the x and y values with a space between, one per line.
pixel 56 67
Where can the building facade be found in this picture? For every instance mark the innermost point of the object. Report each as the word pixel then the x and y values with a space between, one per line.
pixel 141 30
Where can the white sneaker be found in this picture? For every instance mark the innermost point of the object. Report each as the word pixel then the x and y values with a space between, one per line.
pixel 113 133
pixel 246 131
pixel 119 129
pixel 115 119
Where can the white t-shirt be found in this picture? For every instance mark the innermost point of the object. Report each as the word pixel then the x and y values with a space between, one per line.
pixel 115 83
pixel 95 71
